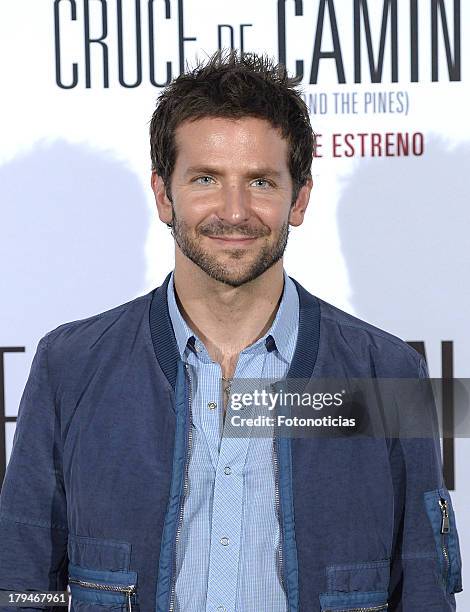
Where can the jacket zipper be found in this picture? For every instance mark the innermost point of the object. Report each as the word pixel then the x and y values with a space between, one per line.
pixel 445 528
pixel 373 609
pixel 114 588
pixel 185 490
pixel 279 556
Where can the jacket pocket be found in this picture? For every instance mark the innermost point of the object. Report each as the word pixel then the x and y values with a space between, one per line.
pixel 355 601
pixel 441 516
pixel 357 587
pixel 93 588
pixel 101 553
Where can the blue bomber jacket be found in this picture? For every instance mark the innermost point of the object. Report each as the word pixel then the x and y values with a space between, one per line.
pixel 94 489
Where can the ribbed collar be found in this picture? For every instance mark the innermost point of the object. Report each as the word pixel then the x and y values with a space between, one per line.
pixel 166 346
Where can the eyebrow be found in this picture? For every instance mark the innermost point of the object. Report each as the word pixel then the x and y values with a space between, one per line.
pixel 265 171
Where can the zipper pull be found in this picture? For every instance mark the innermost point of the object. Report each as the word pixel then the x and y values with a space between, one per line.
pixel 445 526
pixel 130 590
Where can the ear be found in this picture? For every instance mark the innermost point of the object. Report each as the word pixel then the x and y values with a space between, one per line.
pixel 297 211
pixel 165 212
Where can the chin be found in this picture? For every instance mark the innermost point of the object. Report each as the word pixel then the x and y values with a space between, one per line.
pixel 236 277
pixel 235 267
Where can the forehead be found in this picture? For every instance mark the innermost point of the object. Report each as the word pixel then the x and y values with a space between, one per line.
pixel 247 140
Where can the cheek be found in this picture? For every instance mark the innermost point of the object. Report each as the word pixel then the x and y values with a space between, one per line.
pixel 196 205
pixel 272 214
pixel 191 213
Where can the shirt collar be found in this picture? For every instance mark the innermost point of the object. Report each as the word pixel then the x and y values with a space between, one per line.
pixel 285 325
pixel 182 330
pixel 281 335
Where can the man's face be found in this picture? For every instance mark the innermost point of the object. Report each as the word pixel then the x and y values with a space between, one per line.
pixel 231 195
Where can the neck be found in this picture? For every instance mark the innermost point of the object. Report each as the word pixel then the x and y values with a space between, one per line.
pixel 227 319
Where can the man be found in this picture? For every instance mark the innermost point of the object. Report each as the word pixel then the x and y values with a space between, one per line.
pixel 124 481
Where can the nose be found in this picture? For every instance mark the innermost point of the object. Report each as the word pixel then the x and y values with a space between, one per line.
pixel 235 204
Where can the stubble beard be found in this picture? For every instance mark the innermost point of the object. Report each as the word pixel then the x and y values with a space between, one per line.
pixel 223 272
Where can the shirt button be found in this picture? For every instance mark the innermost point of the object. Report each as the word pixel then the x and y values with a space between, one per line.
pixel 221 609
pixel 224 541
pixel 212 405
pixel 227 470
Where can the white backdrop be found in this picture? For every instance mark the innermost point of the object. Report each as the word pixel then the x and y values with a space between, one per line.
pixel 385 235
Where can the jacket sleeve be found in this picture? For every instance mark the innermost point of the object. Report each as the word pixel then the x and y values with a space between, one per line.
pixel 426 567
pixel 33 512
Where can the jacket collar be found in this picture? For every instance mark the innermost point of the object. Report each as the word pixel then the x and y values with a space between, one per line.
pixel 166 347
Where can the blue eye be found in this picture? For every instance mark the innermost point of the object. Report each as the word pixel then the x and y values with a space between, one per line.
pixel 265 181
pixel 202 178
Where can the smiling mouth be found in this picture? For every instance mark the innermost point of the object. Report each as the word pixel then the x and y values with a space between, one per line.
pixel 234 239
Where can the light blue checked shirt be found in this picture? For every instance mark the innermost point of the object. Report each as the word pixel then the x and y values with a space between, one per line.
pixel 226 553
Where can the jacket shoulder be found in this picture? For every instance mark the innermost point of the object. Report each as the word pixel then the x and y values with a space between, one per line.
pixel 385 352
pixel 111 326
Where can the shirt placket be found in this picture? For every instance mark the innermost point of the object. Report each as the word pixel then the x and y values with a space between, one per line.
pixel 227 510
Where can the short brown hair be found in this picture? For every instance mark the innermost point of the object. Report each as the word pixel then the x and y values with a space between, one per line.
pixel 234 87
